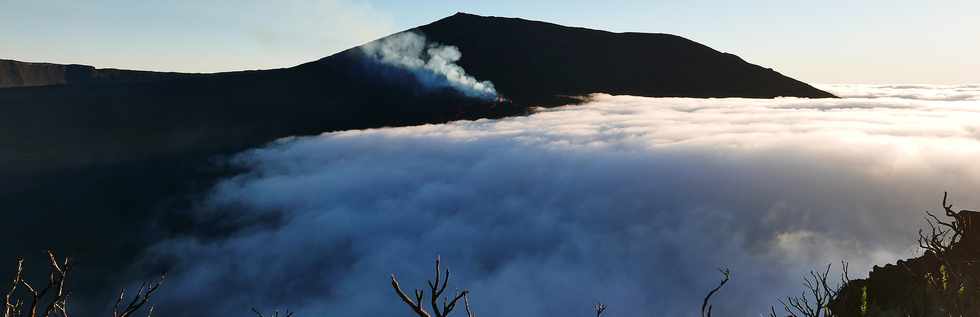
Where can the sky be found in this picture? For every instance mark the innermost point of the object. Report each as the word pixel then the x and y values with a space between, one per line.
pixel 835 41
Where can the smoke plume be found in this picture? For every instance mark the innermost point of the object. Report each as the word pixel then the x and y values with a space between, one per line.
pixel 433 64
pixel 630 201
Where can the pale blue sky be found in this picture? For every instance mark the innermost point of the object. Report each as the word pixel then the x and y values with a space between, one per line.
pixel 868 41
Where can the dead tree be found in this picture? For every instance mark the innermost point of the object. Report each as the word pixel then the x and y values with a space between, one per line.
pixel 44 301
pixel 141 297
pixel 12 307
pixel 942 235
pixel 275 313
pixel 819 292
pixel 436 290
pixel 24 299
pixel 599 309
pixel 952 278
pixel 706 305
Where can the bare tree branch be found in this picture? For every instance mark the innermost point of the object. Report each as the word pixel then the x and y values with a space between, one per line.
pixel 952 277
pixel 51 298
pixel 142 296
pixel 436 290
pixel 416 305
pixel 706 305
pixel 818 293
pixel 599 309
pixel 275 313
pixel 11 309
pixel 466 304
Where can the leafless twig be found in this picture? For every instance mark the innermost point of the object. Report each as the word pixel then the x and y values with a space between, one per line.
pixel 436 290
pixel 50 298
pixel 275 313
pixel 142 296
pixel 817 296
pixel 599 309
pixel 706 305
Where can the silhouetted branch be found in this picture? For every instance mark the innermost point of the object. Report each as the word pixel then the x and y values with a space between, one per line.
pixel 942 235
pixel 814 301
pixel 56 283
pixel 772 311
pixel 51 298
pixel 466 304
pixel 706 305
pixel 436 290
pixel 275 313
pixel 142 296
pixel 599 309
pixel 12 308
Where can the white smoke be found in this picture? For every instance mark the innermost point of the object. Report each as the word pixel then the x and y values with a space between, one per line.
pixel 631 201
pixel 433 64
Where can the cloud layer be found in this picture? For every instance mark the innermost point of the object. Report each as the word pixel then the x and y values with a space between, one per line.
pixel 630 201
pixel 919 92
pixel 433 64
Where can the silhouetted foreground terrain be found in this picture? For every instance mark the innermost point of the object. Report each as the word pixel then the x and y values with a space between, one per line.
pixel 121 151
pixel 943 282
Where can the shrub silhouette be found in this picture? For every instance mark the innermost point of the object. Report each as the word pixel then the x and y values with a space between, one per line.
pixel 23 299
pixel 436 290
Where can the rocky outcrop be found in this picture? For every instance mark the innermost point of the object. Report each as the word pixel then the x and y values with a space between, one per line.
pixel 23 74
pixel 944 281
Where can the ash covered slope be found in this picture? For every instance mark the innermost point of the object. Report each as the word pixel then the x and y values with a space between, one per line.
pixel 532 61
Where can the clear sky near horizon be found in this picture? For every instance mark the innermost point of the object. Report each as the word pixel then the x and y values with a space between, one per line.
pixel 872 41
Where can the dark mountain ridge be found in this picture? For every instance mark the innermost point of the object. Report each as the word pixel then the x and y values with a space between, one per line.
pixel 532 61
pixel 528 60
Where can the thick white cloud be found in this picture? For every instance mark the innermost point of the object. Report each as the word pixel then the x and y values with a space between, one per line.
pixel 631 201
pixel 921 92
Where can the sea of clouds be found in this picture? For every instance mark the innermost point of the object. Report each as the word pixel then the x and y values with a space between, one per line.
pixel 921 92
pixel 630 201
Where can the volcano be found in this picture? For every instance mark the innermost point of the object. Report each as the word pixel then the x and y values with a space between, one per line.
pixel 77 115
pixel 120 150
